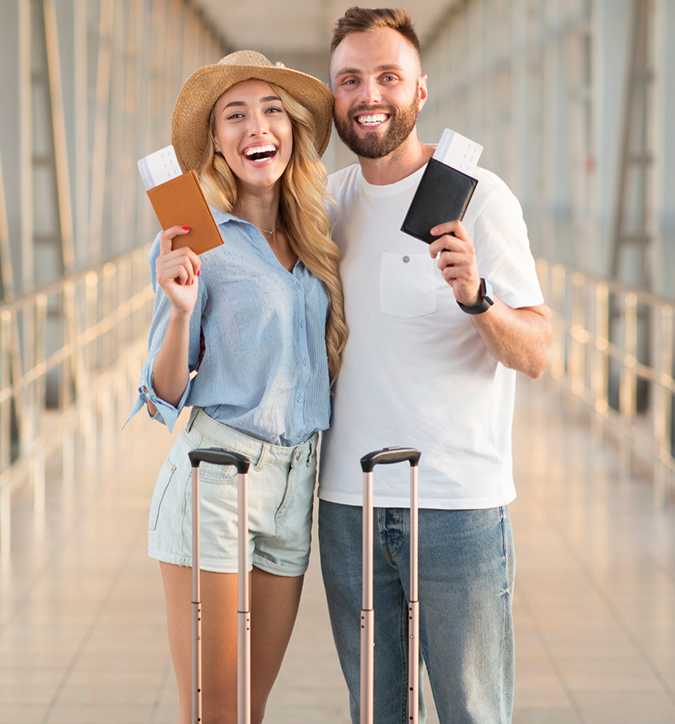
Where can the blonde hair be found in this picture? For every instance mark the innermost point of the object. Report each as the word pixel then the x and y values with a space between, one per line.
pixel 303 211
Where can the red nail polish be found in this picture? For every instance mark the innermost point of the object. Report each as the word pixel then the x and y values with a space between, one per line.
pixel 199 272
pixel 192 282
pixel 186 228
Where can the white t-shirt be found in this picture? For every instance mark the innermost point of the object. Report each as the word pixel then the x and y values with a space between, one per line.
pixel 415 371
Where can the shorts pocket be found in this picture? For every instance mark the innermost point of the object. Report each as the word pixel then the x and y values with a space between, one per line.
pixel 218 474
pixel 407 287
pixel 161 486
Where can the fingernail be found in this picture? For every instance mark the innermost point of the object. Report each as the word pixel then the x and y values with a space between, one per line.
pixel 186 228
pixel 192 282
pixel 198 273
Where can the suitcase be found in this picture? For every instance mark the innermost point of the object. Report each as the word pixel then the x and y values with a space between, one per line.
pixel 387 456
pixel 222 457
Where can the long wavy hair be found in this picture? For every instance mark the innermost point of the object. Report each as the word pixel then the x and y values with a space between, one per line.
pixel 303 209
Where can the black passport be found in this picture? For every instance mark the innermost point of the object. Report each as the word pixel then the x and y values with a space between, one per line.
pixel 442 195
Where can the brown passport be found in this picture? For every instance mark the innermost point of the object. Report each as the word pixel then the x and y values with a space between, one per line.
pixel 181 202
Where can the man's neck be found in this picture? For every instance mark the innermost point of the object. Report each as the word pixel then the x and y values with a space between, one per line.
pixel 409 157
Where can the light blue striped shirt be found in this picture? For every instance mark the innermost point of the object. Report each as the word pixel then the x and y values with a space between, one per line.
pixel 265 370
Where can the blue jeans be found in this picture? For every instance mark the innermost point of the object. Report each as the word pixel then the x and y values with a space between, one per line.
pixel 466 578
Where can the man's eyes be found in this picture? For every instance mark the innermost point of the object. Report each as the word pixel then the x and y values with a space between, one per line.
pixel 385 78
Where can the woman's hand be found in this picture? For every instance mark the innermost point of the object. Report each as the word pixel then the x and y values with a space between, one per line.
pixel 177 271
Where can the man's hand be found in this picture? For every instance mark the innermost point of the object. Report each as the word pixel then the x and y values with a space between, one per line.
pixel 518 338
pixel 457 261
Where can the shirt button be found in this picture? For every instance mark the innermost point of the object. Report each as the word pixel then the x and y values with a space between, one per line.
pixel 302 324
pixel 406 259
pixel 297 285
pixel 299 398
pixel 304 362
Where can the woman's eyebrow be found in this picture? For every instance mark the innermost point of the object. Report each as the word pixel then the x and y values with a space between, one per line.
pixel 266 99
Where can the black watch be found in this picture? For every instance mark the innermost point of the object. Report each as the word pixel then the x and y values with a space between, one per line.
pixel 486 300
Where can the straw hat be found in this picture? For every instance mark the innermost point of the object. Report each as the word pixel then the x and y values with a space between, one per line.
pixel 190 121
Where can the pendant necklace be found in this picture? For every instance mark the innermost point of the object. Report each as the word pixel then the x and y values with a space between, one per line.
pixel 270 233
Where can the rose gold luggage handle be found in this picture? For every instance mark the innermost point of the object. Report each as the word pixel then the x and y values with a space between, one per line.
pixel 388 456
pixel 222 457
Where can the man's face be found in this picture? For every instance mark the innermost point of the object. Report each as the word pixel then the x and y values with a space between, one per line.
pixel 375 77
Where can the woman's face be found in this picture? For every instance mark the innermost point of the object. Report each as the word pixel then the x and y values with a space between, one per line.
pixel 253 132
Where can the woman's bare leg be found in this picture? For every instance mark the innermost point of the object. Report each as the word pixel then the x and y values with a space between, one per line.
pixel 274 605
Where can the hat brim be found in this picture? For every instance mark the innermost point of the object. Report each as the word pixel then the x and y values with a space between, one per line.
pixel 190 120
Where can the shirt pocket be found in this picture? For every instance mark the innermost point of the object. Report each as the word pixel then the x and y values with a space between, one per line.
pixel 407 287
pixel 260 305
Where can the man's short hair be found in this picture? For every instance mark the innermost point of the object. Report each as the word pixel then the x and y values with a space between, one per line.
pixel 363 20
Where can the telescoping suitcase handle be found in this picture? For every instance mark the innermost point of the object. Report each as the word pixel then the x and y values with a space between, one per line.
pixel 388 456
pixel 217 456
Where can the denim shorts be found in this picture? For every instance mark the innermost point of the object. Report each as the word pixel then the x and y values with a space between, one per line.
pixel 281 494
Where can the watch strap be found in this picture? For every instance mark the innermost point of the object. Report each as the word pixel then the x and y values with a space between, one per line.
pixel 485 303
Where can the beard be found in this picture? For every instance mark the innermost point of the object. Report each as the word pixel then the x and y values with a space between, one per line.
pixel 373 145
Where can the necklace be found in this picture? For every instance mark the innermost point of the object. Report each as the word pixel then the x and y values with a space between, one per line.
pixel 270 233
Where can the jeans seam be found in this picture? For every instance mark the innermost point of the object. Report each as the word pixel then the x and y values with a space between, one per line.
pixel 405 643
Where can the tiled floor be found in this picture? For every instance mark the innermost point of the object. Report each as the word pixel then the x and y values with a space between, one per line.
pixel 82 631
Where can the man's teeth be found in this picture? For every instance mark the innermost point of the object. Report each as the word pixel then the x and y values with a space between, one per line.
pixel 371 120
pixel 258 150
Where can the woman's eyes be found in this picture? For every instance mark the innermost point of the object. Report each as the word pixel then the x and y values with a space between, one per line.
pixel 272 111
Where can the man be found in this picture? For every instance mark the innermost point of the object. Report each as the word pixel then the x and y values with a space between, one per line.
pixel 430 363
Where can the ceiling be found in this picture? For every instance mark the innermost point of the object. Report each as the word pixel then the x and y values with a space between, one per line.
pixel 298 32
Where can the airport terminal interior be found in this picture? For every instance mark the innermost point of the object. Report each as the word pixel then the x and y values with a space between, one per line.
pixel 573 102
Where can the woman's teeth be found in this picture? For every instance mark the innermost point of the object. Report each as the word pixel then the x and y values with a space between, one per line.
pixel 258 153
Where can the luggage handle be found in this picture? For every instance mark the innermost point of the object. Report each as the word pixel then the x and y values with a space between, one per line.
pixel 388 456
pixel 219 457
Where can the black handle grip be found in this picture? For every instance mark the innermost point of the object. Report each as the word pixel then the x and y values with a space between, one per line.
pixel 219 457
pixel 390 455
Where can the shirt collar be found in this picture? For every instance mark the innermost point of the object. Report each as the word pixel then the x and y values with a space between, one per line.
pixel 221 217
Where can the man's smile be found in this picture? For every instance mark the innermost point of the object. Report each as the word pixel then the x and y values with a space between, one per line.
pixel 371 119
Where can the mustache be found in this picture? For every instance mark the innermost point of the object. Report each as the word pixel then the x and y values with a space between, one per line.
pixel 389 110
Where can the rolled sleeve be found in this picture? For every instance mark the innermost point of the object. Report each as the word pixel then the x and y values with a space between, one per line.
pixel 166 413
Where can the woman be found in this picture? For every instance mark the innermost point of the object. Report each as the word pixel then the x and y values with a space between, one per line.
pixel 259 319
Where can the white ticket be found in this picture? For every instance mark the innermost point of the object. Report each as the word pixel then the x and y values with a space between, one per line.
pixel 458 151
pixel 159 167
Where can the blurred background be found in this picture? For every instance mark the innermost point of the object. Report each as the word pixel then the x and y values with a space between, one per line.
pixel 574 102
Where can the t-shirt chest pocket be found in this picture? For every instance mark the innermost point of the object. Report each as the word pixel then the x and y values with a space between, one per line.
pixel 407 287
